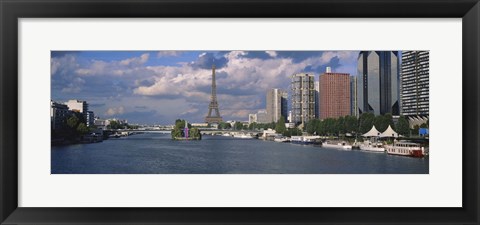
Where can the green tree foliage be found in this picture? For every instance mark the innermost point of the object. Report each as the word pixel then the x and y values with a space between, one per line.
pixel 292 132
pixel 330 126
pixel 312 126
pixel 179 130
pixel 340 126
pixel 224 126
pixel 280 126
pixel 366 122
pixel 82 129
pixel 415 130
pixel 424 125
pixel 238 125
pixel 386 120
pixel 195 133
pixel 402 126
pixel 351 124
pixel 72 122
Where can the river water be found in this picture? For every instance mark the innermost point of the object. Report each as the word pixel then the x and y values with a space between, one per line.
pixel 153 153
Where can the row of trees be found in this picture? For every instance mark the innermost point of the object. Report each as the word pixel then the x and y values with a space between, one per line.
pixel 116 125
pixel 336 126
pixel 72 128
pixel 352 125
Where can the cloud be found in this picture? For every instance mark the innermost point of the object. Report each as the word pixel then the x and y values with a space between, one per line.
pixel 75 86
pixel 115 111
pixel 128 86
pixel 207 59
pixel 161 54
pixel 136 60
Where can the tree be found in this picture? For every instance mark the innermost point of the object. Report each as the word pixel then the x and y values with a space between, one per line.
pixel 330 126
pixel 351 124
pixel 223 125
pixel 195 133
pixel 238 125
pixel 312 126
pixel 280 127
pixel 72 122
pixel 366 122
pixel 82 129
pixel 424 125
pixel 415 129
pixel 340 125
pixel 292 132
pixel 402 126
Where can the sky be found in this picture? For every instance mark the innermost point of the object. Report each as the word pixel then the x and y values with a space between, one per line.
pixel 158 87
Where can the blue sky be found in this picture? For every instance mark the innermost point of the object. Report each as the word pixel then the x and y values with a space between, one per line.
pixel 157 87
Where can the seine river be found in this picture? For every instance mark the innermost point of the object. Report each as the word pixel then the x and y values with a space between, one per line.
pixel 153 153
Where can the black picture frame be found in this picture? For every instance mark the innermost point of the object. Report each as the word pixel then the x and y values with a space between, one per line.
pixel 11 11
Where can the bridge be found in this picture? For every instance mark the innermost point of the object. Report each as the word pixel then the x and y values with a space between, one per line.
pixel 207 131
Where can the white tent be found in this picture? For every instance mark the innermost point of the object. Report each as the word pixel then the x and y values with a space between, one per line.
pixel 389 132
pixel 372 133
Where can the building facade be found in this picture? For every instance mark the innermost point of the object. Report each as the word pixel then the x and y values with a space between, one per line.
pixel 317 99
pixel 262 116
pixel 353 96
pixel 334 95
pixel 78 106
pixel 252 118
pixel 90 118
pixel 276 104
pixel 378 81
pixel 414 92
pixel 58 114
pixel 302 98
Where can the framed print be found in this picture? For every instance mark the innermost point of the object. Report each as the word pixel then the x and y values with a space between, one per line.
pixel 230 112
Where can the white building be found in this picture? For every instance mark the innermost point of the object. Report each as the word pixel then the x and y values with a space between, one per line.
pixel 252 118
pixel 78 106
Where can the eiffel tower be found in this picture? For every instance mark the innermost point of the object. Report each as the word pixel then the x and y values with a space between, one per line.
pixel 213 103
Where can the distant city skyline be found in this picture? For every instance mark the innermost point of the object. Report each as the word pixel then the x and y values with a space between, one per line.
pixel 157 87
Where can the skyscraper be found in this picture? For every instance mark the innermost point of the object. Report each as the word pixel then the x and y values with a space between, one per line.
pixel 353 96
pixel 276 104
pixel 414 92
pixel 378 82
pixel 302 98
pixel 334 95
pixel 317 99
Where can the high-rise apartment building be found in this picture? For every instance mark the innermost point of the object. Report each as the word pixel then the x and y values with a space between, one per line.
pixel 276 104
pixel 414 92
pixel 353 96
pixel 78 106
pixel 378 82
pixel 334 95
pixel 90 118
pixel 302 98
pixel 58 114
pixel 262 116
pixel 317 99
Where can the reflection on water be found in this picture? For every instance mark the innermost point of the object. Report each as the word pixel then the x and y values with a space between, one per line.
pixel 158 154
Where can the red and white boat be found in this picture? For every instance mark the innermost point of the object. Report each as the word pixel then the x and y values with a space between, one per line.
pixel 405 149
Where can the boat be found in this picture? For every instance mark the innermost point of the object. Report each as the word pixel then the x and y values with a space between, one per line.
pixel 226 135
pixel 337 145
pixel 305 139
pixel 242 135
pixel 372 145
pixel 404 148
pixel 281 139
